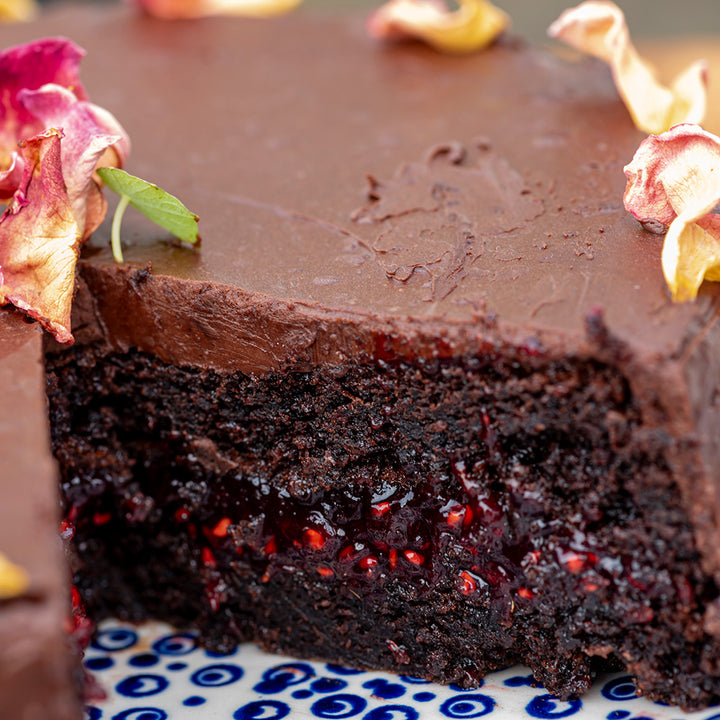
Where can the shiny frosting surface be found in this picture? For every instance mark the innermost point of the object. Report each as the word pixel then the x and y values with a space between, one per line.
pixel 336 177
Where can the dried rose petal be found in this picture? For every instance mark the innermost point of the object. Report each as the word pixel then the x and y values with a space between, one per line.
pixel 14 580
pixel 179 9
pixel 40 239
pixel 89 131
pixel 674 179
pixel 17 10
pixel 56 201
pixel 29 67
pixel 598 28
pixel 473 26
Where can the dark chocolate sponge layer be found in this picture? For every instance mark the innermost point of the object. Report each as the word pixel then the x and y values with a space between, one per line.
pixel 438 518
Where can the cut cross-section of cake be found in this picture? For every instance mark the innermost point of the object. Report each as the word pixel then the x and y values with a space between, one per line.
pixel 422 402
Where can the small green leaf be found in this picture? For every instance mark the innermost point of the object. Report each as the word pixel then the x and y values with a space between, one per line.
pixel 157 205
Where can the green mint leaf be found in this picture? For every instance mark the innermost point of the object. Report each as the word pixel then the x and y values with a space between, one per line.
pixel 157 205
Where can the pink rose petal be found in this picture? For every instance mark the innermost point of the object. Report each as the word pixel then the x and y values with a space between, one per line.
pixel 674 179
pixel 89 131
pixel 40 239
pixel 30 66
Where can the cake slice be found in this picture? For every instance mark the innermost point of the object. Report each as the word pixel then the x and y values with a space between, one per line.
pixel 40 675
pixel 422 402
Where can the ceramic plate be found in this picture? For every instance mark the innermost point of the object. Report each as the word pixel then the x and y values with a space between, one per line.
pixel 152 672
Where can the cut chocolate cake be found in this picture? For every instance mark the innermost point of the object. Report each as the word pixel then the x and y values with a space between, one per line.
pixel 40 676
pixel 422 401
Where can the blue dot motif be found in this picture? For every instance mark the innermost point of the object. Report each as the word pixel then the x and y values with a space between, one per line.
pixel 343 705
pixel 194 701
pixel 176 666
pixel 178 644
pixel 520 681
pixel 265 709
pixel 393 712
pixel 384 689
pixel 92 713
pixel 216 675
pixel 327 685
pixel 423 696
pixel 146 713
pixel 115 639
pixel 619 714
pixel 469 705
pixel 99 663
pixel 280 677
pixel 143 660
pixel 619 689
pixel 141 686
pixel 302 694
pixel 548 706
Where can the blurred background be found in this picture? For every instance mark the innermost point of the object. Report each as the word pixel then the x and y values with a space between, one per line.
pixel 645 17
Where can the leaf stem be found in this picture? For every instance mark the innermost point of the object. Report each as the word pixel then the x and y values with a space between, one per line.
pixel 115 231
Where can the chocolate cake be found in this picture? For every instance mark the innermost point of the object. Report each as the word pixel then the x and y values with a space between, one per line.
pixel 40 674
pixel 422 401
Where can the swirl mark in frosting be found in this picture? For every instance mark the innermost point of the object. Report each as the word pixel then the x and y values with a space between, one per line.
pixel 433 218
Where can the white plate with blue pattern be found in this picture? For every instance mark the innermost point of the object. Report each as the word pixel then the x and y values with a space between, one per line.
pixel 152 672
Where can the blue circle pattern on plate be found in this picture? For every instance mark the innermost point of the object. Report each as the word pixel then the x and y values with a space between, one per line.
pixel 342 705
pixel 144 713
pixel 177 644
pixel 620 689
pixel 326 697
pixel 217 675
pixel 548 706
pixel 260 709
pixel 470 705
pixel 137 686
pixel 115 639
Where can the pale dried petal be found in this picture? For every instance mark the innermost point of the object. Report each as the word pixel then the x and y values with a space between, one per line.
pixel 89 131
pixel 17 10
pixel 40 240
pixel 598 28
pixel 185 9
pixel 11 176
pixel 14 580
pixel 691 254
pixel 474 25
pixel 674 179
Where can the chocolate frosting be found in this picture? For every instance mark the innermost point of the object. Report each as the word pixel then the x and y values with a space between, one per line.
pixel 495 182
pixel 35 659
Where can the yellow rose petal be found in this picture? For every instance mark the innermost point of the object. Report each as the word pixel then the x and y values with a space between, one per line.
pixel 14 580
pixel 598 27
pixel 473 26
pixel 691 254
pixel 17 10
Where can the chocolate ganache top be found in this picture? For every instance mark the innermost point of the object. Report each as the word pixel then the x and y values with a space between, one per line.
pixel 338 178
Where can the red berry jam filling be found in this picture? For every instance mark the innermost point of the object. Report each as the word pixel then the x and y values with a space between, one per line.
pixel 440 518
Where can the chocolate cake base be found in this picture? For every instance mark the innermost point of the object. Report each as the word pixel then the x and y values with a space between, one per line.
pixel 40 673
pixel 441 518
